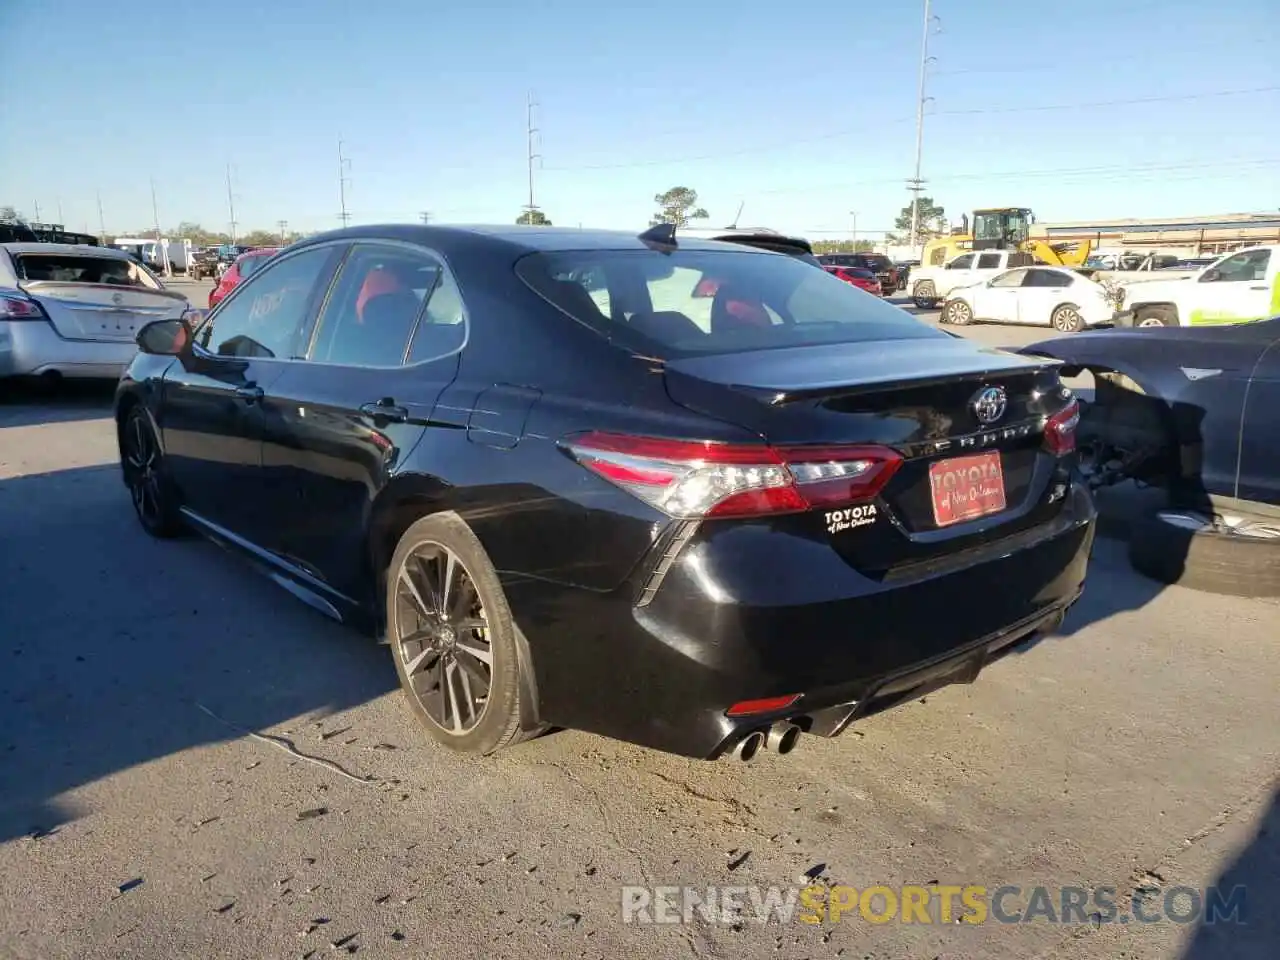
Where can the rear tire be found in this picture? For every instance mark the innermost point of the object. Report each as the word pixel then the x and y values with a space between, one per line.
pixel 925 295
pixel 1230 554
pixel 1155 317
pixel 1067 319
pixel 439 648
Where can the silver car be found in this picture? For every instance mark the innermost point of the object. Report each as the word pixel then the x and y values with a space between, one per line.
pixel 73 311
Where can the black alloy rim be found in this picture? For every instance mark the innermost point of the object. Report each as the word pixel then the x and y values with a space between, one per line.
pixel 442 638
pixel 143 459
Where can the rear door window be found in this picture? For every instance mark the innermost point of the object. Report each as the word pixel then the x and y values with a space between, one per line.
pixel 989 261
pixel 961 263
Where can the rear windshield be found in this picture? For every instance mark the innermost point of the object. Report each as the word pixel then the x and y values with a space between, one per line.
pixel 876 261
pixel 695 302
pixel 73 268
pixel 249 265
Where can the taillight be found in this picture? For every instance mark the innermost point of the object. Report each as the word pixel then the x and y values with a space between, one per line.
pixel 18 307
pixel 1060 429
pixel 691 479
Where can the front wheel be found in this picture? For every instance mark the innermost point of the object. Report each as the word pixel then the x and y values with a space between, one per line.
pixel 958 312
pixel 1067 319
pixel 925 295
pixel 1155 317
pixel 452 637
pixel 155 500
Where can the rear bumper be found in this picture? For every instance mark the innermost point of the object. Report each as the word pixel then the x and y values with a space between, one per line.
pixel 747 613
pixel 33 348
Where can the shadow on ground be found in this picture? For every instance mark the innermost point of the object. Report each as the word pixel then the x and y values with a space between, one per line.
pixel 26 403
pixel 113 641
pixel 1256 871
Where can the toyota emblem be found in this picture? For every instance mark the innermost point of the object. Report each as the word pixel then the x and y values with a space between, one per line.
pixel 989 404
pixel 117 298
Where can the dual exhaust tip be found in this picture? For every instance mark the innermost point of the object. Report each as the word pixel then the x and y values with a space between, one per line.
pixel 782 737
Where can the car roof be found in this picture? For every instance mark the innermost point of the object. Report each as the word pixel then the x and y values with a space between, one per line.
pixel 517 239
pixel 108 253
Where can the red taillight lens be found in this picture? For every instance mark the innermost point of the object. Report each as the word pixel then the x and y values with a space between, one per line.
pixel 1060 429
pixel 692 479
pixel 747 708
pixel 18 307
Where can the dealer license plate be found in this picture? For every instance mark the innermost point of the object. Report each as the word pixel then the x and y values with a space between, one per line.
pixel 965 488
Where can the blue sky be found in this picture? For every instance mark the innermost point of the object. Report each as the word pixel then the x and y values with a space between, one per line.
pixel 803 112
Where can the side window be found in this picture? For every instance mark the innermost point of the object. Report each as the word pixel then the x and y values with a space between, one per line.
pixel 1046 278
pixel 961 263
pixel 266 317
pixel 989 261
pixel 1247 266
pixel 374 306
pixel 443 328
pixel 1014 278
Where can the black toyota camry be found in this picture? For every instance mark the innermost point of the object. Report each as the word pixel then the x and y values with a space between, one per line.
pixel 689 494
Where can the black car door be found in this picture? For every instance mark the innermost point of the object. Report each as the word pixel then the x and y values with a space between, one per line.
pixel 337 426
pixel 211 416
pixel 1260 432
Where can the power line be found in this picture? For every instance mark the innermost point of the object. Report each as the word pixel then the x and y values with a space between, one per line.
pixel 879 124
pixel 343 166
pixel 531 132
pixel 231 206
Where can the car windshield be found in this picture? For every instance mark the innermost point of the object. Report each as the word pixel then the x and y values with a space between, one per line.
pixel 693 302
pixel 79 268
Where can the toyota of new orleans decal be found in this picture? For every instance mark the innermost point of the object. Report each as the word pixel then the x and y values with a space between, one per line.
pixel 851 517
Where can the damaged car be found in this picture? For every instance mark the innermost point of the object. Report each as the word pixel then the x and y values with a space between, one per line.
pixel 1194 411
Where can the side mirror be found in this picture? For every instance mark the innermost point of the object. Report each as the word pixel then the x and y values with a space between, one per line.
pixel 1211 275
pixel 165 338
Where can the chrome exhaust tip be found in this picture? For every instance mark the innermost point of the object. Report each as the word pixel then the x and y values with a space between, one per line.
pixel 750 745
pixel 783 737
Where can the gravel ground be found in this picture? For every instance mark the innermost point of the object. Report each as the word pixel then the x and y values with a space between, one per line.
pixel 140 818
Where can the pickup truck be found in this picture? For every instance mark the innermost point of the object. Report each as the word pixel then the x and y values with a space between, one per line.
pixel 930 285
pixel 1237 288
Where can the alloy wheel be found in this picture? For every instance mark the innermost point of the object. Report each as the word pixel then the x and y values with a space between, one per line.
pixel 1151 322
pixel 960 313
pixel 1224 523
pixel 1067 320
pixel 142 459
pixel 442 638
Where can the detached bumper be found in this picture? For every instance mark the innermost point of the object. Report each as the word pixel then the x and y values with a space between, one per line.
pixel 33 348
pixel 746 612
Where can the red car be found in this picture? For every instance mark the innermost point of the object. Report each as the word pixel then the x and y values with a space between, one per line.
pixel 244 266
pixel 860 278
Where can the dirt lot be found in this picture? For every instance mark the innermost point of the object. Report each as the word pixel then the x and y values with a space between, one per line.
pixel 140 818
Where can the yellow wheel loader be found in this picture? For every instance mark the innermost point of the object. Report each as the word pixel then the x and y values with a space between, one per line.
pixel 1003 228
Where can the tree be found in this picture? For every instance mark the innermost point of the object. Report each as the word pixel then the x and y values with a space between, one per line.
pixel 10 215
pixel 261 238
pixel 843 246
pixel 932 221
pixel 533 218
pixel 678 205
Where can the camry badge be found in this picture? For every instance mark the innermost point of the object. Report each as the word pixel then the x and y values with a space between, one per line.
pixel 989 404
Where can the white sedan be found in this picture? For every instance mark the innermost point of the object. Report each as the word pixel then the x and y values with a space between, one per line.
pixel 1047 296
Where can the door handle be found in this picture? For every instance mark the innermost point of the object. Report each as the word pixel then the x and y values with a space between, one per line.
pixel 1261 286
pixel 249 393
pixel 385 410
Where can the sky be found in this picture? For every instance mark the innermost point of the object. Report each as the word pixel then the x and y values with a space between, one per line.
pixel 803 114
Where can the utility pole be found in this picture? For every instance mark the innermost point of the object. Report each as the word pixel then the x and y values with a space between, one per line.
pixel 37 206
pixel 282 224
pixel 160 250
pixel 343 166
pixel 102 222
pixel 854 214
pixel 531 132
pixel 915 183
pixel 61 218
pixel 231 206
pixel 425 216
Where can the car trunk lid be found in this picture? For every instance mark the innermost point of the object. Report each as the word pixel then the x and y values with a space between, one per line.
pixel 920 397
pixel 98 311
